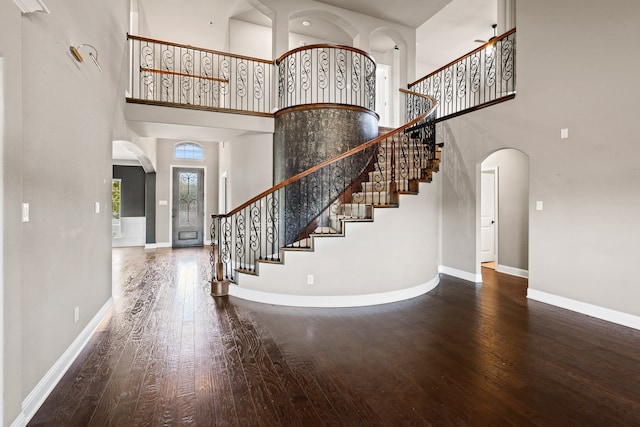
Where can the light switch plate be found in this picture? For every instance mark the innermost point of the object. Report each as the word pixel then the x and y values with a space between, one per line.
pixel 539 205
pixel 25 212
pixel 564 133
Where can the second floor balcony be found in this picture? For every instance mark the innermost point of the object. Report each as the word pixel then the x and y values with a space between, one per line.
pixel 175 75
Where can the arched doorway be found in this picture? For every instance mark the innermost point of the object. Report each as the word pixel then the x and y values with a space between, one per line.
pixel 504 212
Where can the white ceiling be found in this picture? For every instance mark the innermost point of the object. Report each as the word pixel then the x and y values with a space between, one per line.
pixel 120 152
pixel 451 32
pixel 411 13
pixel 445 29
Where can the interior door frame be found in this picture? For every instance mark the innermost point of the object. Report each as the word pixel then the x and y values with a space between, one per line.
pixel 206 238
pixel 496 204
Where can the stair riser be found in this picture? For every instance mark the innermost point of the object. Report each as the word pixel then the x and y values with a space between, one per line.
pixel 399 166
pixel 356 210
pixel 377 176
pixel 374 198
pixel 369 187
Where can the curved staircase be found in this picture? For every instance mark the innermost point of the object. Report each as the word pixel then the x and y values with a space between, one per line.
pixel 264 228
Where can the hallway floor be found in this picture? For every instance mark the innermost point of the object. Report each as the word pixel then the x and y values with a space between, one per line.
pixel 463 354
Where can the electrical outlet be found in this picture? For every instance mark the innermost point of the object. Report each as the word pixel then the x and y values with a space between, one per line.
pixel 310 279
pixel 76 314
pixel 539 205
pixel 97 207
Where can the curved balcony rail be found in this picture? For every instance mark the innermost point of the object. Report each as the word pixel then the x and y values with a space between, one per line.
pixel 319 200
pixel 326 74
pixel 479 79
pixel 173 74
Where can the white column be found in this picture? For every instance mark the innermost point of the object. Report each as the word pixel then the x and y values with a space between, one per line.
pixel 506 15
pixel 280 33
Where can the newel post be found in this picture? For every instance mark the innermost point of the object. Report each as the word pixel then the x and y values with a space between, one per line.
pixel 219 286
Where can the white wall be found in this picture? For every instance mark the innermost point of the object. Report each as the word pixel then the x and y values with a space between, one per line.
pixel 202 24
pixel 249 39
pixel 570 64
pixel 398 250
pixel 248 161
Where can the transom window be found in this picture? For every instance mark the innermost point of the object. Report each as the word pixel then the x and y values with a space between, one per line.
pixel 188 150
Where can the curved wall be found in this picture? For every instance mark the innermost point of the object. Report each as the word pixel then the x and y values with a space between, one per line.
pixel 307 135
pixel 395 257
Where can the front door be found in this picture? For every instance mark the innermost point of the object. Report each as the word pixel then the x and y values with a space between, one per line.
pixel 188 207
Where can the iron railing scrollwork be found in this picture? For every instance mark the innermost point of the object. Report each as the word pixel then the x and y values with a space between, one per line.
pixel 326 74
pixel 480 78
pixel 318 200
pixel 181 75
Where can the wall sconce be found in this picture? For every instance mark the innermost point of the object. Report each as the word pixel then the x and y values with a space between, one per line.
pixel 75 51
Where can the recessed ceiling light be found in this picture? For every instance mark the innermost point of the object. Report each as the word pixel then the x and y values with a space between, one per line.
pixel 306 23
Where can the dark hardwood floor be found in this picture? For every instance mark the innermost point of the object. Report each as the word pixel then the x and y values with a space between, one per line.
pixel 464 354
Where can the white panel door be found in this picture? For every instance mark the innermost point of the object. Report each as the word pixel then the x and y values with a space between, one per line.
pixel 488 216
pixel 382 93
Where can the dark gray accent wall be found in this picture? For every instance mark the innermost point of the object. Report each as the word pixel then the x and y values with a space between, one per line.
pixel 150 206
pixel 133 189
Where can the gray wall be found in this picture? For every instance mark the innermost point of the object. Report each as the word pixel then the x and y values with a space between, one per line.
pixel 575 70
pixel 62 119
pixel 513 206
pixel 11 52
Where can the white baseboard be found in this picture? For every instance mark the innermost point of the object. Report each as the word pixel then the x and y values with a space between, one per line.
pixel 41 391
pixel 460 274
pixel 330 300
pixel 21 421
pixel 150 246
pixel 164 245
pixel 598 312
pixel 513 271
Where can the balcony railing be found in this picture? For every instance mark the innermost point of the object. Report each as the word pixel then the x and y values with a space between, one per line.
pixel 167 73
pixel 481 78
pixel 326 74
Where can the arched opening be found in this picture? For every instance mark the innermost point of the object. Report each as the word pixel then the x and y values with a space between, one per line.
pixel 133 196
pixel 308 27
pixel 504 212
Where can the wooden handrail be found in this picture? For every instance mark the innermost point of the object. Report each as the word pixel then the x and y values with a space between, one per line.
pixel 336 158
pixel 175 73
pixel 484 46
pixel 324 46
pixel 186 46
